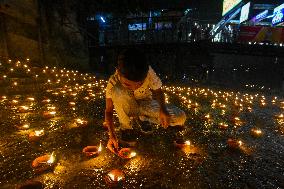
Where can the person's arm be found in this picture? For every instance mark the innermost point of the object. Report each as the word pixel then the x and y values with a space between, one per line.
pixel 113 143
pixel 159 95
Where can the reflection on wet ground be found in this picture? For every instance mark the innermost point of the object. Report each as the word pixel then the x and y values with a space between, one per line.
pixel 235 140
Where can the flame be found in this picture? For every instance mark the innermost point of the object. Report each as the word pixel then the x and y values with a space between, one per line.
pixel 52 113
pixel 187 143
pixel 51 159
pixel 26 126
pixel 132 154
pixel 240 143
pixel 39 133
pixel 119 178
pixel 111 176
pixel 237 119
pixel 100 147
pixel 24 107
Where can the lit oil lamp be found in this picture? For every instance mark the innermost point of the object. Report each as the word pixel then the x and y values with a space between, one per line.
pixel 281 116
pixel 81 123
pixel 115 178
pixel 44 163
pixel 45 101
pixel 180 143
pixel 49 114
pixel 92 151
pixel 237 121
pixel 127 153
pixel 25 126
pixel 223 125
pixel 233 143
pixel 207 117
pixel 30 99
pixel 255 132
pixel 23 109
pixel 14 101
pixel 72 103
pixel 36 135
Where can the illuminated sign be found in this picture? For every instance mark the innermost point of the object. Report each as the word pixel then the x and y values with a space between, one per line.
pixel 245 12
pixel 229 5
pixel 278 15
pixel 138 26
pixel 279 8
pixel 278 18
pixel 263 7
pixel 260 16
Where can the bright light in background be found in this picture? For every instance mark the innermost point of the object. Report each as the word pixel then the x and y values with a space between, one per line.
pixel 103 20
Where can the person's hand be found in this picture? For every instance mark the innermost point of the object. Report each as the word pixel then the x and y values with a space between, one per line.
pixel 164 118
pixel 112 144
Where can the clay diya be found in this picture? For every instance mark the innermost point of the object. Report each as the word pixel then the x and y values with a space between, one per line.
pixel 36 135
pixel 31 184
pixel 92 151
pixel 25 126
pixel 115 178
pixel 23 109
pixel 255 132
pixel 48 115
pixel 43 163
pixel 223 125
pixel 281 116
pixel 180 143
pixel 126 153
pixel 233 143
pixel 81 123
pixel 45 101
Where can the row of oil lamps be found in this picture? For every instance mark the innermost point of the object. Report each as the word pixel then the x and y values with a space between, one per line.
pixel 47 162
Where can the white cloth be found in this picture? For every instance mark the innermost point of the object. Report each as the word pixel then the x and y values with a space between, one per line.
pixel 127 106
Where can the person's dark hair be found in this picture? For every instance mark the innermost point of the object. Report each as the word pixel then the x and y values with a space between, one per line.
pixel 133 65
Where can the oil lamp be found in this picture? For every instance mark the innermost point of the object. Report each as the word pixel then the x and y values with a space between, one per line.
pixel 233 143
pixel 92 151
pixel 180 143
pixel 36 135
pixel 127 153
pixel 25 126
pixel 44 163
pixel 255 132
pixel 115 178
pixel 223 125
pixel 48 114
pixel 72 103
pixel 23 109
pixel 46 101
pixel 81 123
pixel 281 116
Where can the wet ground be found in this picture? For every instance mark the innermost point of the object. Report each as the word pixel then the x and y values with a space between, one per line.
pixel 52 100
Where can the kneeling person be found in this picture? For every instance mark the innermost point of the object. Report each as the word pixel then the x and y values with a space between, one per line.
pixel 134 90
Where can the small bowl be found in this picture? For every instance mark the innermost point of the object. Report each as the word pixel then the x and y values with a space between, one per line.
pixel 90 151
pixel 35 138
pixel 180 143
pixel 233 143
pixel 48 115
pixel 255 132
pixel 31 184
pixel 115 178
pixel 126 153
pixel 40 164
